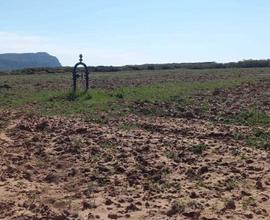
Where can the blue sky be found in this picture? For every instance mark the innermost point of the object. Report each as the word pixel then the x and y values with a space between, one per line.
pixel 118 32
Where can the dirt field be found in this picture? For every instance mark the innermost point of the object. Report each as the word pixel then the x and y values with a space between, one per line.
pixel 198 154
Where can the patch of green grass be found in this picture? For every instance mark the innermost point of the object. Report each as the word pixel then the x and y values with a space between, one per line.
pixel 260 139
pixel 129 126
pixel 173 156
pixel 231 183
pixel 167 91
pixel 250 118
pixel 199 148
pixel 238 136
pixel 177 207
pixel 247 202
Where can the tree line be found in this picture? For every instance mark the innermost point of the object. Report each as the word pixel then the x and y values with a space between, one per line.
pixel 168 66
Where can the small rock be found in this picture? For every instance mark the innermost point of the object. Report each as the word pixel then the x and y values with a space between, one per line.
pixel 88 205
pixel 108 202
pixel 259 185
pixel 192 214
pixel 230 205
pixel 249 161
pixel 50 178
pixel 193 195
pixel 249 216
pixel 244 193
pixel 132 207
pixel 72 172
pixel 203 170
pixel 113 216
pixel 81 130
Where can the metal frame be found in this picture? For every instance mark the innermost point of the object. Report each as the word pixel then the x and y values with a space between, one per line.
pixel 74 74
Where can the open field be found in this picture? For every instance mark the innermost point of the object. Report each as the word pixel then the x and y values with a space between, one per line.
pixel 172 144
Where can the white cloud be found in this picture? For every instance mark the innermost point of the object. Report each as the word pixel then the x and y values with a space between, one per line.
pixel 67 53
pixel 20 43
pixel 14 42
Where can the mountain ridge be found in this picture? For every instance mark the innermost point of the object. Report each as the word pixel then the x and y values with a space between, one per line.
pixel 13 61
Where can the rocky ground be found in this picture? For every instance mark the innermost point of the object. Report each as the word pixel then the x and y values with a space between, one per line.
pixel 185 166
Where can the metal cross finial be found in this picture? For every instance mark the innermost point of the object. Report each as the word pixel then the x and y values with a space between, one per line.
pixel 81 57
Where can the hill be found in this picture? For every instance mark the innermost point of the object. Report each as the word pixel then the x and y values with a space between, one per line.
pixel 12 61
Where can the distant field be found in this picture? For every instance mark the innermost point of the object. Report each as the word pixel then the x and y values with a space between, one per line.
pixel 113 92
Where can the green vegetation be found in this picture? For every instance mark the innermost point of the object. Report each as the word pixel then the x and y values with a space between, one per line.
pixel 159 93
pixel 173 156
pixel 248 202
pixel 129 126
pixel 250 118
pixel 199 148
pixel 49 94
pixel 259 139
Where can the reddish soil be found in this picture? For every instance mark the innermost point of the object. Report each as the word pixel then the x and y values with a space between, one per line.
pixel 135 167
pixel 57 168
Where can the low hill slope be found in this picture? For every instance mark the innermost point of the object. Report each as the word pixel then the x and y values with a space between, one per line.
pixel 12 61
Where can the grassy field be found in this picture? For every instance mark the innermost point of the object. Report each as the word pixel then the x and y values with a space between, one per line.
pixel 114 93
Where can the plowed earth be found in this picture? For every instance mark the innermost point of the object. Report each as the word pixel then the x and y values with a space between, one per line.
pixel 137 167
pixel 218 105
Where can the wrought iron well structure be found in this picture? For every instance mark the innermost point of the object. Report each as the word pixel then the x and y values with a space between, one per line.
pixel 75 76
